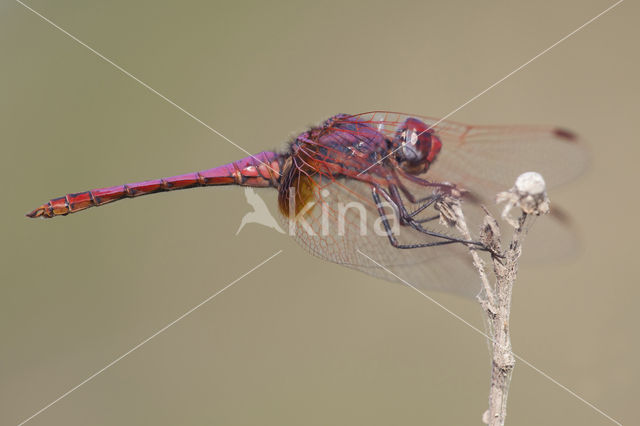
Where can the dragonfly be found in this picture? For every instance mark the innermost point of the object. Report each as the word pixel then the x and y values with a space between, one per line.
pixel 370 182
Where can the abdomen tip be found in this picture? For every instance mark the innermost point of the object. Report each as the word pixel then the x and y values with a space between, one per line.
pixel 39 212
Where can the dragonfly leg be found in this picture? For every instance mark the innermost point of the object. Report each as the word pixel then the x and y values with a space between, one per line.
pixel 407 219
pixel 408 193
pixel 443 187
pixel 387 227
pixel 429 201
pixel 425 201
pixel 424 182
pixel 428 219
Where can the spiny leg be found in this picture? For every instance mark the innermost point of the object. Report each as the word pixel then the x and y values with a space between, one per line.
pixel 449 188
pixel 410 195
pixel 425 202
pixel 429 201
pixel 423 182
pixel 407 219
pixel 387 227
pixel 407 193
pixel 428 219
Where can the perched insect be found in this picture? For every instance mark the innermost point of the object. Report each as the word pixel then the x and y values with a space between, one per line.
pixel 370 181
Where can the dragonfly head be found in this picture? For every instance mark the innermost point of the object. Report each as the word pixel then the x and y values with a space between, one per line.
pixel 415 146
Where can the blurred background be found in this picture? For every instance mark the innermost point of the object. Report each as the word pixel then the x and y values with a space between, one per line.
pixel 298 341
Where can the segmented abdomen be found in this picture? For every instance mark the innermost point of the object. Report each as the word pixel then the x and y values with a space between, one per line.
pixel 259 170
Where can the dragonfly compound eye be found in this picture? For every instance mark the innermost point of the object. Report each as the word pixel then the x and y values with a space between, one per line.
pixel 417 146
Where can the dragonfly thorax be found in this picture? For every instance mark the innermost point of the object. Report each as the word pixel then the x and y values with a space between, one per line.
pixel 415 146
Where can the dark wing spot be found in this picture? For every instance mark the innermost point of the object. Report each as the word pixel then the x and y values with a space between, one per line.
pixel 565 134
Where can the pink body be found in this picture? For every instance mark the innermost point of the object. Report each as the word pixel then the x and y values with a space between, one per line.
pixel 259 170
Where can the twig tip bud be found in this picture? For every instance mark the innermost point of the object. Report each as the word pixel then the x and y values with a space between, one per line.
pixel 529 193
pixel 531 183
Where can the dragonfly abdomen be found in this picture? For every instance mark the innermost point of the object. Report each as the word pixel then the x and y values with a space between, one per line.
pixel 260 170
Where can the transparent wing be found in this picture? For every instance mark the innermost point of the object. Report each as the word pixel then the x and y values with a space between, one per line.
pixel 343 220
pixel 488 159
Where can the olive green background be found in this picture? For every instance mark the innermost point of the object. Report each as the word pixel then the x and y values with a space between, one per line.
pixel 299 341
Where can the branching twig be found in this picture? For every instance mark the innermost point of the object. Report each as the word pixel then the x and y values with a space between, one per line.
pixel 451 215
pixel 529 195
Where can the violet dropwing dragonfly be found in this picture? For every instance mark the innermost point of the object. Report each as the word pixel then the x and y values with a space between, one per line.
pixel 369 182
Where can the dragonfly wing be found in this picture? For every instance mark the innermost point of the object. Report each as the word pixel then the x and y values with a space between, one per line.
pixel 345 226
pixel 342 221
pixel 553 237
pixel 488 159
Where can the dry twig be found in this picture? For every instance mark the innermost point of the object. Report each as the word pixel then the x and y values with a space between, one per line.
pixel 529 195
